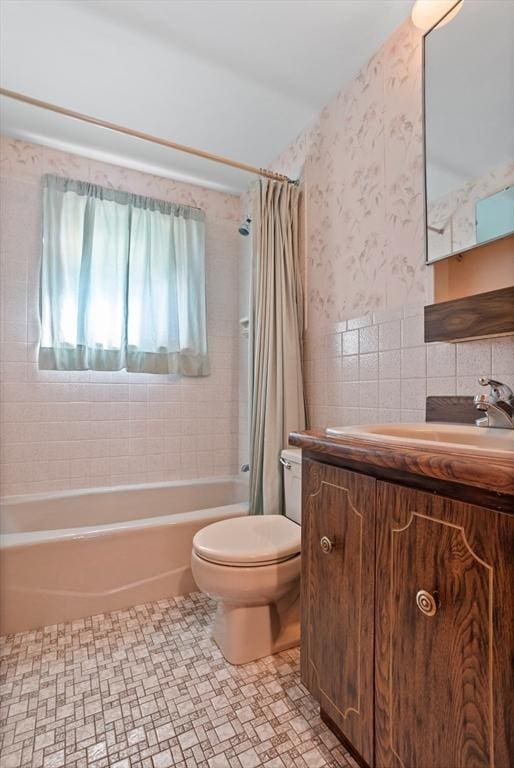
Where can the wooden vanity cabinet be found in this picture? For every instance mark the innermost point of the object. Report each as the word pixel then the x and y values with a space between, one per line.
pixel 408 621
pixel 444 632
pixel 338 535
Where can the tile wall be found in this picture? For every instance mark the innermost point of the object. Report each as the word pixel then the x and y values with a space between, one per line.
pixel 74 430
pixel 377 368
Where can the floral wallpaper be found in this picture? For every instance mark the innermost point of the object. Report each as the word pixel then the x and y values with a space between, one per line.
pixel 363 176
pixel 454 213
pixel 19 159
pixel 366 282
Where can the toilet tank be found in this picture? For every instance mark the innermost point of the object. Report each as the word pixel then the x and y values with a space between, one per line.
pixel 291 460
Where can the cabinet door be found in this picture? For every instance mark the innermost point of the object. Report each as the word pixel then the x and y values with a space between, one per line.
pixel 337 598
pixel 444 633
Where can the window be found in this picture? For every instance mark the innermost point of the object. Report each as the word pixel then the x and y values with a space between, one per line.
pixel 122 282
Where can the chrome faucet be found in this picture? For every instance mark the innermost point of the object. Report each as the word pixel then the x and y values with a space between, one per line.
pixel 498 405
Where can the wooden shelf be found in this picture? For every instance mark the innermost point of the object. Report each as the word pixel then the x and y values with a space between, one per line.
pixel 472 317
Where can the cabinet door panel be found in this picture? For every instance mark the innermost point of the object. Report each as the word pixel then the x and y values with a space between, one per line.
pixel 443 670
pixel 337 598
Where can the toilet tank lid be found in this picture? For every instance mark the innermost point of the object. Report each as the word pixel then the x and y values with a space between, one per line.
pixel 251 540
pixel 293 455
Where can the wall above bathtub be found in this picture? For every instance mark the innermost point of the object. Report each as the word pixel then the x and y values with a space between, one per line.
pixel 70 430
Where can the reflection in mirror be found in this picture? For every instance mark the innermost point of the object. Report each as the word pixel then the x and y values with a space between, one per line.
pixel 494 215
pixel 469 136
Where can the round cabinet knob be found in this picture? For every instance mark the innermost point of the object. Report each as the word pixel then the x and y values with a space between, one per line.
pixel 326 545
pixel 427 602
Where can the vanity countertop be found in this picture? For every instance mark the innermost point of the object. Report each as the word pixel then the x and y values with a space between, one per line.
pixel 440 468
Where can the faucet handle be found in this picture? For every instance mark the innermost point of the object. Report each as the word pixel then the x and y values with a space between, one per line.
pixel 499 391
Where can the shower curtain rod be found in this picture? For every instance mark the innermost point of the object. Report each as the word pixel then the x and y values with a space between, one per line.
pixel 141 135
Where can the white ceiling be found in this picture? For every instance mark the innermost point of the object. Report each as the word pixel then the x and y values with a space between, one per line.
pixel 235 77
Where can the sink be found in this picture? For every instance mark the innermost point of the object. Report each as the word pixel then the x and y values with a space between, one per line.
pixel 497 442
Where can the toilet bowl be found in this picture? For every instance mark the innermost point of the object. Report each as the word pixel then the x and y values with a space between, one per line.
pixel 251 567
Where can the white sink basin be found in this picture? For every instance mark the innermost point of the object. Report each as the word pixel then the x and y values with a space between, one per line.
pixel 476 440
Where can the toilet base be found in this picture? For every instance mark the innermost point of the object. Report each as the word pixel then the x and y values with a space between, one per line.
pixel 247 633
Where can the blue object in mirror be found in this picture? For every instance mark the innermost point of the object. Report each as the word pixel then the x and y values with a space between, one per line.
pixel 494 215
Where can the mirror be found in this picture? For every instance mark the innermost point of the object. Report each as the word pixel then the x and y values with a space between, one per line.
pixel 469 128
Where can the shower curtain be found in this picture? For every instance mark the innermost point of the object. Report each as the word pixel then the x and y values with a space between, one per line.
pixel 276 323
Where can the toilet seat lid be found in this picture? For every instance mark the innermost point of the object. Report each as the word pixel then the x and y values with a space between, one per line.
pixel 251 540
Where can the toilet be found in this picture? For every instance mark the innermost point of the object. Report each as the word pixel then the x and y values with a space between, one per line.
pixel 251 566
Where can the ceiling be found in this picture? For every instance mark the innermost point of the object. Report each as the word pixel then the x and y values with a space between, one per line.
pixel 239 78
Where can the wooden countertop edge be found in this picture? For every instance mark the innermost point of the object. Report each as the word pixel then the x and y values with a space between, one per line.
pixel 494 475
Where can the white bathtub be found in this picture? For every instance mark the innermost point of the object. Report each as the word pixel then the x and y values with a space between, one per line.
pixel 69 555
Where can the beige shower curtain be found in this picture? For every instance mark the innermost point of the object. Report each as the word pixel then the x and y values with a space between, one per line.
pixel 276 323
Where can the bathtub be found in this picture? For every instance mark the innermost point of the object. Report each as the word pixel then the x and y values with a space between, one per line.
pixel 69 555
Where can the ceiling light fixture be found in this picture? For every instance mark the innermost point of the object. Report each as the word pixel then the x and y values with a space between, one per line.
pixel 427 13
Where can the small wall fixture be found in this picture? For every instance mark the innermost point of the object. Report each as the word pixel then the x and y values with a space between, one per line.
pixel 244 229
pixel 244 323
pixel 427 13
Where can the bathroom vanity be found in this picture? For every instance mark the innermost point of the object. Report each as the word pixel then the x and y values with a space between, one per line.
pixel 408 593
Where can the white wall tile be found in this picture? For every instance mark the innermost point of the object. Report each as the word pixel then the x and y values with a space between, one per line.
pixel 441 360
pixel 413 363
pixel 396 388
pixel 385 315
pixel 350 368
pixel 79 429
pixel 350 394
pixel 359 322
pixel 389 394
pixel 334 391
pixel 368 366
pixel 414 393
pixel 368 395
pixel 389 364
pixel 389 415
pixel 389 335
pixel 368 339
pixel 474 358
pixel 503 356
pixel 408 416
pixel 368 415
pixel 468 385
pixel 442 386
pixel 413 331
pixel 350 343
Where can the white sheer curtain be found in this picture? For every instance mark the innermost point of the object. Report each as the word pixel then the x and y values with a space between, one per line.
pixel 122 282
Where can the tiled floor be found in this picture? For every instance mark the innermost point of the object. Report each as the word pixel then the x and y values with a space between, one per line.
pixel 148 687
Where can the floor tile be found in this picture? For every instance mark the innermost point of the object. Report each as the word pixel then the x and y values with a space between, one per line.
pixel 148 688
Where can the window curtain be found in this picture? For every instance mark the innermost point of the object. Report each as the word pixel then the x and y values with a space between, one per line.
pixel 122 282
pixel 276 324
